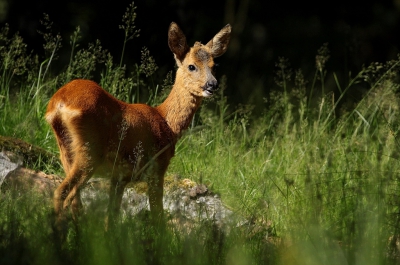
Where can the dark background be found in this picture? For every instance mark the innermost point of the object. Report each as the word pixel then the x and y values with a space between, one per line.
pixel 358 33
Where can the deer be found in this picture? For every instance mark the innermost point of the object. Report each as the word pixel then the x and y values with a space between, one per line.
pixel 98 134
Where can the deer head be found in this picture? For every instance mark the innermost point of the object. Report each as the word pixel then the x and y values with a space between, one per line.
pixel 196 64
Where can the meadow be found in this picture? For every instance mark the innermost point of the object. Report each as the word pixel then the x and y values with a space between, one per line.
pixel 316 175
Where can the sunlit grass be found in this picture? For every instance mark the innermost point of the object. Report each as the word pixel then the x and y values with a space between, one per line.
pixel 316 180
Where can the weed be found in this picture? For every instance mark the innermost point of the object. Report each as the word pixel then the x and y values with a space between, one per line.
pixel 317 180
pixel 128 27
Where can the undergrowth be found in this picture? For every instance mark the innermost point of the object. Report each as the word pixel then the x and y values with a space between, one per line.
pixel 316 176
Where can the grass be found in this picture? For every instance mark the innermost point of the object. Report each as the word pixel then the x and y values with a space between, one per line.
pixel 316 175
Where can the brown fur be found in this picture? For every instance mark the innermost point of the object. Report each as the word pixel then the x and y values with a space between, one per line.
pixel 98 134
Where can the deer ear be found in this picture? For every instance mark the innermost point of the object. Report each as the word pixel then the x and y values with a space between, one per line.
pixel 219 43
pixel 177 41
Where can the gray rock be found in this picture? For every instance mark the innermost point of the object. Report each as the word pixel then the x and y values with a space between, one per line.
pixel 177 201
pixel 7 165
pixel 183 198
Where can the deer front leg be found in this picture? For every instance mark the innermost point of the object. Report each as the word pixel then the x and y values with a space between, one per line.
pixel 156 192
pixel 116 193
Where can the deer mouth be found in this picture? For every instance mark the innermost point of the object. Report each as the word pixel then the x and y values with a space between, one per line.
pixel 208 92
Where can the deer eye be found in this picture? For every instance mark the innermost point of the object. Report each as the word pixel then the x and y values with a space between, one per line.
pixel 192 67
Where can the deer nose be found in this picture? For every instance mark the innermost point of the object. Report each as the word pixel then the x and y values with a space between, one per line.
pixel 212 85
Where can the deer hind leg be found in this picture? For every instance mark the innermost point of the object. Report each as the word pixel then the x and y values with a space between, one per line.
pixel 64 141
pixel 68 193
pixel 76 205
pixel 78 158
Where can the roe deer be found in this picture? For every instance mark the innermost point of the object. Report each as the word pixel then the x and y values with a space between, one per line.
pixel 98 134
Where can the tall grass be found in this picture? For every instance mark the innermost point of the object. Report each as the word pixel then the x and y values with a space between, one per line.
pixel 316 176
pixel 323 178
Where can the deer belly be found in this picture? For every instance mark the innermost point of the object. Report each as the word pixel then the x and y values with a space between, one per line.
pixel 127 169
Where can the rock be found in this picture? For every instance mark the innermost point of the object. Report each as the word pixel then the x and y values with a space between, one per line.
pixel 183 199
pixel 28 153
pixel 178 200
pixel 26 179
pixel 8 163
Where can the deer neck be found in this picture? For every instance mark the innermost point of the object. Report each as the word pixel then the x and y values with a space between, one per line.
pixel 179 108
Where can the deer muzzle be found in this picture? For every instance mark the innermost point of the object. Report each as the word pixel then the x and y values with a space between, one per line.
pixel 210 87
